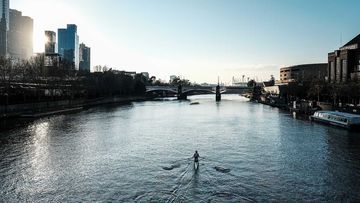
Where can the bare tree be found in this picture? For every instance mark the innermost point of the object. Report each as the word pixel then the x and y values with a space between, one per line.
pixel 98 68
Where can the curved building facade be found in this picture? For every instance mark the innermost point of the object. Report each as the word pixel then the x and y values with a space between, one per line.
pixel 303 73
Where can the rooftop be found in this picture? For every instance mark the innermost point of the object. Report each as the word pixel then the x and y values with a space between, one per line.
pixel 307 65
pixel 352 44
pixel 355 40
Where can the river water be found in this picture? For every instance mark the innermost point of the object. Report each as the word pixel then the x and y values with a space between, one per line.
pixel 120 153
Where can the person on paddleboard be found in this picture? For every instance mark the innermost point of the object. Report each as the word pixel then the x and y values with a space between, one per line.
pixel 196 157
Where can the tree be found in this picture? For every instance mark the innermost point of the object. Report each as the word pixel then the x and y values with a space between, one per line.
pixel 152 79
pixel 139 87
pixel 251 83
pixel 272 78
pixel 105 68
pixel 98 68
pixel 159 82
pixel 178 81
pixel 5 69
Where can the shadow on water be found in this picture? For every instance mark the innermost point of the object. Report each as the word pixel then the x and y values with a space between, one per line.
pixel 16 123
pixel 9 124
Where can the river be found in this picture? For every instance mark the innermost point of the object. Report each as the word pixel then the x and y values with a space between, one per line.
pixel 120 153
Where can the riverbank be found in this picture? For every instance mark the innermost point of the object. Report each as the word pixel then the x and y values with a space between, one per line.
pixel 41 109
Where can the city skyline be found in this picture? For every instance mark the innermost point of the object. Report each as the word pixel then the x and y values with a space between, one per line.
pixel 201 40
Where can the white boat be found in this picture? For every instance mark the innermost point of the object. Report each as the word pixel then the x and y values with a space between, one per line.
pixel 345 120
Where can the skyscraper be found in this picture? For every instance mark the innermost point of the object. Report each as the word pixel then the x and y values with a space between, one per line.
pixel 68 45
pixel 51 58
pixel 4 26
pixel 20 35
pixel 50 45
pixel 4 12
pixel 85 58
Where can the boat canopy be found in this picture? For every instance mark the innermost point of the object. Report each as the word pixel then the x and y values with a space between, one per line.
pixel 349 116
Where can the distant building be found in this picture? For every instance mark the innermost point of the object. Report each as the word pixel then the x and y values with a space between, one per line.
pixel 4 26
pixel 85 58
pixel 52 58
pixel 122 72
pixel 344 64
pixel 68 45
pixel 303 73
pixel 240 84
pixel 20 35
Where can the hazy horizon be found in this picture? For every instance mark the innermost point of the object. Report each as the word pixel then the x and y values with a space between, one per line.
pixel 200 40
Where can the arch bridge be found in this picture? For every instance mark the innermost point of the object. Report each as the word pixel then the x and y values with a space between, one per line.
pixel 183 91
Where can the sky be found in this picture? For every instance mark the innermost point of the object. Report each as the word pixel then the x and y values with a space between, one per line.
pixel 200 40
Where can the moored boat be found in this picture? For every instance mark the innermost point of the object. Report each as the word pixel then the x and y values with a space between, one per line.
pixel 340 119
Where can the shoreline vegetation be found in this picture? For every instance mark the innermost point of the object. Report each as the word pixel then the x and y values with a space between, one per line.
pixel 28 88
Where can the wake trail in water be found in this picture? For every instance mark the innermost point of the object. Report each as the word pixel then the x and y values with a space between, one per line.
pixel 183 186
pixel 176 191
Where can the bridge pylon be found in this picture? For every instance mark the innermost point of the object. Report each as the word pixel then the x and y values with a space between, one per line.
pixel 218 93
pixel 180 94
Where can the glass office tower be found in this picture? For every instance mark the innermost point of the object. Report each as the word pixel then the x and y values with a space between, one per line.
pixel 85 58
pixel 68 45
pixel 4 12
pixel 4 27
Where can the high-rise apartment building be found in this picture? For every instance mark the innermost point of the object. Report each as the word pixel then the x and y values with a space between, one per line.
pixel 4 26
pixel 20 36
pixel 85 58
pixel 68 45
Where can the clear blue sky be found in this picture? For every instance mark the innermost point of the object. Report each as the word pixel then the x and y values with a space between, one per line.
pixel 201 39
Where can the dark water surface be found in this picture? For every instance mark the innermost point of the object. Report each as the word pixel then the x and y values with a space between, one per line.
pixel 118 154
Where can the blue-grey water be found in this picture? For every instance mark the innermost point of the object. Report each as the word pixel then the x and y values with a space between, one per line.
pixel 117 154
